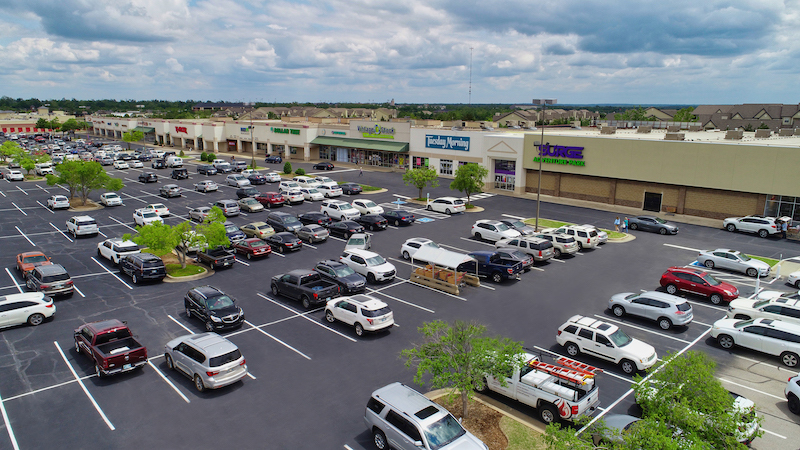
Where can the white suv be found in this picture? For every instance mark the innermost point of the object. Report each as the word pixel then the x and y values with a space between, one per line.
pixel 764 226
pixel 493 230
pixel 339 210
pixel 361 311
pixel 779 308
pixel 792 393
pixel 330 190
pixel 115 249
pixel 82 225
pixel 412 245
pixel 369 264
pixel 288 185
pixel 605 341
pixel 27 307
pixel 305 182
pixel 586 237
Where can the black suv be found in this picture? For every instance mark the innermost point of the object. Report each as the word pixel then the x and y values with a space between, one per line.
pixel 51 280
pixel 206 169
pixel 180 174
pixel 247 191
pixel 282 221
pixel 148 177
pixel 217 309
pixel 143 266
pixel 340 273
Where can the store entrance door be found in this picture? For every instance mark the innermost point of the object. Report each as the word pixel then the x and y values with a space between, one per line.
pixel 652 202
pixel 504 182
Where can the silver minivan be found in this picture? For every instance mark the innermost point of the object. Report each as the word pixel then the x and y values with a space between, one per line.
pixel 210 360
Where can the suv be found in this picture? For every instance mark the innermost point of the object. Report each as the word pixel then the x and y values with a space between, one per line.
pixel 217 309
pixel 82 225
pixel 206 169
pixel 563 244
pixel 270 199
pixel 180 174
pixel 305 182
pixel 361 311
pixel 115 249
pixel 28 307
pixel 340 273
pixel 770 336
pixel 586 237
pixel 401 418
pixel 282 221
pixel 764 226
pixel 210 360
pixel 605 341
pixel 784 309
pixel 143 266
pixel 51 279
pixel 493 230
pixel 57 202
pixel 369 264
pixel 228 207
pixel 540 249
pixel 339 210
pixel 792 393
pixel 699 282
pixel 666 309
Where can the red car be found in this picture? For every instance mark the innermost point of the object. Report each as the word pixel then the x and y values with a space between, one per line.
pixel 270 199
pixel 252 247
pixel 698 282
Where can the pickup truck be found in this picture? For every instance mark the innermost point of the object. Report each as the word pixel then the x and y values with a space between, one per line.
pixel 490 264
pixel 304 285
pixel 111 345
pixel 216 257
pixel 565 390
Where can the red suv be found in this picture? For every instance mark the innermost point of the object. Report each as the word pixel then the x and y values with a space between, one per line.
pixel 270 199
pixel 699 282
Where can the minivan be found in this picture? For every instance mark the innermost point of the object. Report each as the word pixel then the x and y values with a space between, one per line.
pixel 174 161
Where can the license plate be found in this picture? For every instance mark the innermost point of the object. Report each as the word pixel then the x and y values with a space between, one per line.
pixel 327 298
pixel 127 366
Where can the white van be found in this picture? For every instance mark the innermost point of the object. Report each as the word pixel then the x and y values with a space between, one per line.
pixel 44 169
pixel 174 161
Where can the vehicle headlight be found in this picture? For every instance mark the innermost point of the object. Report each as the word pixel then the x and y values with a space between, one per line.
pixel 215 319
pixel 728 292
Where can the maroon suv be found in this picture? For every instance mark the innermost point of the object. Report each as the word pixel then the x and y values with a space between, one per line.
pixel 699 282
pixel 270 199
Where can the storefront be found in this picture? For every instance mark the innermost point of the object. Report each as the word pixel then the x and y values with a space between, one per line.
pixel 505 174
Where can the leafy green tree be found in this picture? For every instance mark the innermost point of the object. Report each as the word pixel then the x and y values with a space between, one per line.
pixel 28 161
pixel 42 123
pixel 54 124
pixel 132 136
pixel 287 168
pixel 213 230
pixel 187 237
pixel 157 236
pixel 83 177
pixel 11 150
pixel 469 179
pixel 684 115
pixel 420 178
pixel 459 356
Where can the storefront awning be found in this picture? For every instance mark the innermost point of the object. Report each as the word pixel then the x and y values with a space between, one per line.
pixel 398 147
pixel 145 130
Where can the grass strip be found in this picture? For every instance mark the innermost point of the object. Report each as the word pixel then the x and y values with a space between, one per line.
pixel 176 271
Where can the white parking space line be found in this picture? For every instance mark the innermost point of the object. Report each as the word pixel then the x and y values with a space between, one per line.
pixel 409 303
pixel 19 209
pixel 513 217
pixel 26 237
pixel 579 254
pixel 149 193
pixel 772 433
pixel 309 245
pixel 83 386
pixel 62 187
pixel 682 248
pixel 556 260
pixel 336 238
pixel 752 389
pixel 755 361
pixel 245 330
pixel 278 340
pixel 21 190
pixel 135 198
pixel 45 207
pixel 101 234
pixel 14 280
pixel 401 196
pixel 3 194
pixel 42 188
pixel 112 273
pixel 78 291
pixel 305 317
pixel 180 324
pixel 123 224
pixel 163 377
pixel 62 233
pixel 477 241
pixel 8 425
pixel 454 248
pixel 629 325
pixel 564 356
pixel 702 324
pixel 240 261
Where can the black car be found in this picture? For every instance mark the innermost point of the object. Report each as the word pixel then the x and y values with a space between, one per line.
pixel 124 157
pixel 206 169
pixel 215 308
pixel 341 274
pixel 282 221
pixel 257 178
pixel 314 218
pixel 345 228
pixel 372 221
pixel 148 177
pixel 180 174
pixel 273 159
pixel 158 164
pixel 144 157
pixel 323 166
pixel 398 217
pixel 284 242
pixel 143 266
pixel 351 188
pixel 516 256
pixel 248 191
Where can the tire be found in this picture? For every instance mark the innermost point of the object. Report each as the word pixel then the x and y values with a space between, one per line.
pixel 397 223
pixel 478 236
pixel 664 323
pixel 497 277
pixel 249 256
pixel 731 227
pixel 209 326
pixel 429 208
pixel 188 312
pixel 547 413
pixel 794 404
pixel 751 272
pixel 98 371
pixel 627 366
pixel 671 289
pixel 789 359
pixel 618 310
pixel 725 341
pixel 633 226
pixel 99 254
pixel 763 233
pixel 741 317
pixel 797 284
pixel 447 211
pixel 580 245
pixel 134 279
pixel 329 317
pixel 280 249
pixel 275 290
pixel 379 439
pixel 573 349
pixel 35 319
pixel 406 255
pixel 198 383
pixel 371 278
pixel 304 300
pixel 170 364
pixel 77 348
pixel 709 263
pixel 359 329
pixel 662 231
pixel 556 253
pixel 716 299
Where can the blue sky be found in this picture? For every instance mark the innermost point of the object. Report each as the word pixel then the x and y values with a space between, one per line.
pixel 417 51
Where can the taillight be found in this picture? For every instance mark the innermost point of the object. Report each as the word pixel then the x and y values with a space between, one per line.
pixel 370 321
pixel 243 362
pixel 52 305
pixel 540 253
pixel 680 313
pixel 69 283
pixel 44 286
pixel 211 374
pixel 588 240
pixel 559 333
pixel 316 296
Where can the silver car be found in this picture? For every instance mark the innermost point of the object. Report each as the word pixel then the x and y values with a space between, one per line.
pixel 312 233
pixel 210 360
pixel 668 310
pixel 724 258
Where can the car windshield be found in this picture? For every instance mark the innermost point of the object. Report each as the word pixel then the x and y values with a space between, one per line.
pixel 291 221
pixel 376 260
pixel 324 180
pixel 249 201
pixel 149 215
pixel 264 227
pixel 743 323
pixel 344 271
pixel 313 191
pixel 369 204
pixel 257 244
pixel 517 223
pixel 231 229
pixel 356 241
pixel 221 302
pixel 710 280
pixel 630 296
pixel 34 259
pixel 660 220
pixel 443 431
pixel 620 338
pixel 743 257
pixel 431 244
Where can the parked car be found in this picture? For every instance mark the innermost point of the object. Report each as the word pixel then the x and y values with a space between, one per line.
pixel 314 218
pixel 492 230
pixel 170 190
pixel 247 191
pixel 58 202
pixel 136 164
pixel 215 258
pixel 273 177
pixel 216 309
pixel 282 221
pixel 143 266
pixel 563 244
pixel 15 175
pixel 229 207
pixel 250 205
pixel 370 264
pixel 111 346
pixel 294 196
pixel 210 360
pixel 410 246
pixel 158 164
pixel 50 279
pixel 179 174
pixel 252 247
pixel 27 261
pixel 668 310
pixel 787 310
pixel 311 194
pixel 330 190
pixel 516 224
pixel 540 249
pixel 698 282
pixel 491 265
pixel 110 199
pixel 399 217
pixel 144 217
pixel 206 169
pixel 516 256
pixel 284 242
pixel 237 180
pixel 233 232
pixel 121 165
pixel 724 258
pixel 273 159
pixel 372 222
pixel 115 249
pixel 361 241
pixel 222 166
pixel 344 229
pixel 447 205
pixel 338 209
pixel 304 285
pixel 351 188
pixel 288 185
pixel 199 214
pixel 323 166
pixel 206 186
pixel 312 233
pixel 763 226
pixel 305 182
pixel 158 208
pixel 82 226
pixel 256 178
pixel 257 229
pixel 271 199
pixel 794 279
pixel 348 280
pixel 770 336
pixel 367 207
pixel 792 393
pixel 652 223
pixel 362 312
pixel 585 236
pixel 27 307
pixel 148 177
pixel 602 236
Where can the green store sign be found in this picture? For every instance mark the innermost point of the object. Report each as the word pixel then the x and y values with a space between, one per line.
pixel 285 130
pixel 566 162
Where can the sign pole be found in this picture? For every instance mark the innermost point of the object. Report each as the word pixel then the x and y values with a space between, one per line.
pixel 543 102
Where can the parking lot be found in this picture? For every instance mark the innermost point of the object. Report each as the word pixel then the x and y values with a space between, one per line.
pixel 310 380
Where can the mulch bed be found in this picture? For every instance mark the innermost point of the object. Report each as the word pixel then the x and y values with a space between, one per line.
pixel 483 422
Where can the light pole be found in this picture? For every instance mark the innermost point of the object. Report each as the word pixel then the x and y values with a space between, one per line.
pixel 252 140
pixel 544 102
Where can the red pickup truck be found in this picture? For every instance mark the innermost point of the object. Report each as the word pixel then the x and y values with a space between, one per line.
pixel 111 345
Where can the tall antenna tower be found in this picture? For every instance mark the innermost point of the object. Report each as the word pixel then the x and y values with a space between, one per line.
pixel 470 76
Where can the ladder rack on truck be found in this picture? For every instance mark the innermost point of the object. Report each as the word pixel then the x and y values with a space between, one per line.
pixel 575 372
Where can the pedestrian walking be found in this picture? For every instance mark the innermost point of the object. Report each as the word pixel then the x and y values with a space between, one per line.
pixel 616 224
pixel 784 228
pixel 625 225
pixel 360 171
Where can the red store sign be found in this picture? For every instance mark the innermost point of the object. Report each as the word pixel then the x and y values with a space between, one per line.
pixel 180 130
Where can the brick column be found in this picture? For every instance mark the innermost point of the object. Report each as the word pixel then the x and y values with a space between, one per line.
pixel 612 194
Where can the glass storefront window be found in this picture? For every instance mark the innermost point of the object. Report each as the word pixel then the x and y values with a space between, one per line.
pixel 779 206
pixel 446 166
pixel 420 162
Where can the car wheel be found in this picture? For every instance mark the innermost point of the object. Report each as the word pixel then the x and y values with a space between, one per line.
pixel 547 413
pixel 170 364
pixel 275 290
pixel 627 366
pixel 98 252
pixel 797 284
pixel 478 236
pixel 731 227
pixel 209 326
pixel 664 323
pixel 789 359
pixel 359 329
pixel 406 255
pixel 135 279
pixel 633 226
pixel 397 223
pixel 709 263
pixel 618 311
pixel 671 289
pixel 497 277
pixel 329 316
pixel 98 371
pixel 347 235
pixel 35 319
pixel 371 278
pixel 763 233
pixel 429 208
pixel 380 440
pixel 716 299
pixel 556 253
pixel 794 404
pixel 741 317
pixel 447 211
pixel 662 231
pixel 725 341
pixel 751 272
pixel 249 256
pixel 198 383
pixel 280 249
pixel 305 302
pixel 573 349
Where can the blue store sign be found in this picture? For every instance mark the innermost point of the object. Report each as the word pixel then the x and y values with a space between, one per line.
pixel 447 142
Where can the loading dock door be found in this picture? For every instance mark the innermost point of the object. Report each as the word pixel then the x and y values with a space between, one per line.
pixel 652 202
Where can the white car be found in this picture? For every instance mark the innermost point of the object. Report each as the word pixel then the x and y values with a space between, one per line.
pixel 586 237
pixel 367 207
pixel 785 309
pixel 206 186
pixel 370 264
pixel 136 164
pixel 27 307
pixel 794 279
pixel 273 177
pixel 773 337
pixel 158 208
pixel 57 202
pixel 792 393
pixel 312 194
pixel 237 180
pixel 605 341
pixel 287 185
pixel 602 236
pixel 330 190
pixel 82 225
pixel 339 210
pixel 410 246
pixel 324 180
pixel 763 226
pixel 15 175
pixel 115 249
pixel 306 182
pixel 145 217
pixel 492 230
pixel 447 205
pixel 294 196
pixel 120 164
pixel 724 258
pixel 363 312
pixel 110 199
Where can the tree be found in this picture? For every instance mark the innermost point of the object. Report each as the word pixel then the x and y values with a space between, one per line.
pixel 11 150
pixel 459 357
pixel 83 177
pixel 684 115
pixel 54 124
pixel 157 236
pixel 420 178
pixel 132 136
pixel 42 124
pixel 469 179
pixel 28 161
pixel 287 167
pixel 70 126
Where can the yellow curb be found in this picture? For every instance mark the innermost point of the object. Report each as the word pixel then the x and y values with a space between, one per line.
pixel 474 209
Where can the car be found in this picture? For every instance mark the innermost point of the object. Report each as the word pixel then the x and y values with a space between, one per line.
pixel 229 207
pixel 793 279
pixel 107 161
pixel 585 236
pixel 28 260
pixel 179 174
pixel 314 218
pixel 121 165
pixel 216 309
pixel 14 165
pixel 282 221
pixel 410 246
pixel 144 217
pixel 250 205
pixel 208 359
pixel 256 178
pixel 252 247
pixel 348 280
pixel 115 249
pixel 351 188
pixel 652 223
pixel 563 244
pixel 344 229
pixel 248 191
pixel 792 393
pixel 273 177
pixel 323 166
pixel 206 169
pixel 399 217
pixel 312 233
pixel 370 264
pixel 259 230
pixel 516 224
pixel 372 222
pixel 236 180
pixel 136 164
pixel 233 232
pixel 311 194
pixel 724 258
pixel 199 214
pixel 330 190
pixel 271 199
pixel 158 208
pixel 667 310
pixel 284 242
pixel 148 177
pixel 305 182
pixel 338 210
pixel 401 418
pixel 606 341
pixel 82 226
pixel 206 186
pixel 222 166
pixel 294 196
pixel 15 175
pixel 787 310
pixel 51 280
pixel 770 336
pixel 602 236
pixel 273 159
pixel 362 312
pixel 58 202
pixel 447 205
pixel 325 180
pixel 170 190
pixel 517 257
pixel 287 185
pixel 361 241
pixel 493 230
pixel 698 282
pixel 367 207
pixel 26 307
pixel 763 226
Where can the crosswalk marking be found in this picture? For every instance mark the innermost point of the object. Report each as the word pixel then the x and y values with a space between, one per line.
pixel 480 196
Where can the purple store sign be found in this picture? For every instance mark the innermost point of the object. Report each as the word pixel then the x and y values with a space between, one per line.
pixel 560 154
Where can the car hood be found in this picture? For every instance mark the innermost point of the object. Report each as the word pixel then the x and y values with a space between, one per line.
pixel 725 323
pixel 640 349
pixel 620 297
pixel 758 264
pixel 226 311
pixel 466 442
pixel 385 267
pixel 352 279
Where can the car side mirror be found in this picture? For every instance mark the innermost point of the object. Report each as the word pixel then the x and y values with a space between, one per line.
pixel 418 444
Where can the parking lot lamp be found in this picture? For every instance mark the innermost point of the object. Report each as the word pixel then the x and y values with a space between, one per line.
pixel 544 102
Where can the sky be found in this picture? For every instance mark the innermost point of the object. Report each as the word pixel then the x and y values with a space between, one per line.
pixel 412 51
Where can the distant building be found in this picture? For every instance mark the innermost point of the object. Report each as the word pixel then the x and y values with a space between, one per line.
pixel 748 116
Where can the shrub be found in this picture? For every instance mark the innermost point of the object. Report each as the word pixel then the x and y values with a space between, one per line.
pixel 182 154
pixel 203 156
pixel 300 171
pixel 287 168
pixel 211 157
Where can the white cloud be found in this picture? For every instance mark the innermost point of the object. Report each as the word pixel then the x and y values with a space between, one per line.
pixel 173 65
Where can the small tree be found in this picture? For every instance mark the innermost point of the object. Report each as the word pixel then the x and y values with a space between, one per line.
pixel 182 154
pixel 42 123
pixel 157 236
pixel 11 150
pixel 420 178
pixel 287 168
pixel 55 124
pixel 469 179
pixel 300 171
pixel 132 136
pixel 212 229
pixel 459 357
pixel 211 157
pixel 203 156
pixel 684 115
pixel 83 177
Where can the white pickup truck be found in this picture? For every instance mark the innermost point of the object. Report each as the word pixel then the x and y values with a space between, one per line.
pixel 564 390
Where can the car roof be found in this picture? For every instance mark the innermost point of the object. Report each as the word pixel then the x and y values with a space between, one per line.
pixel 84 217
pixel 331 263
pixel 361 253
pixel 366 301
pixel 489 221
pixel 663 296
pixel 212 344
pixel 207 290
pixel 592 323
pixel 51 269
pixel 24 296
pixel 404 399
pixel 773 323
